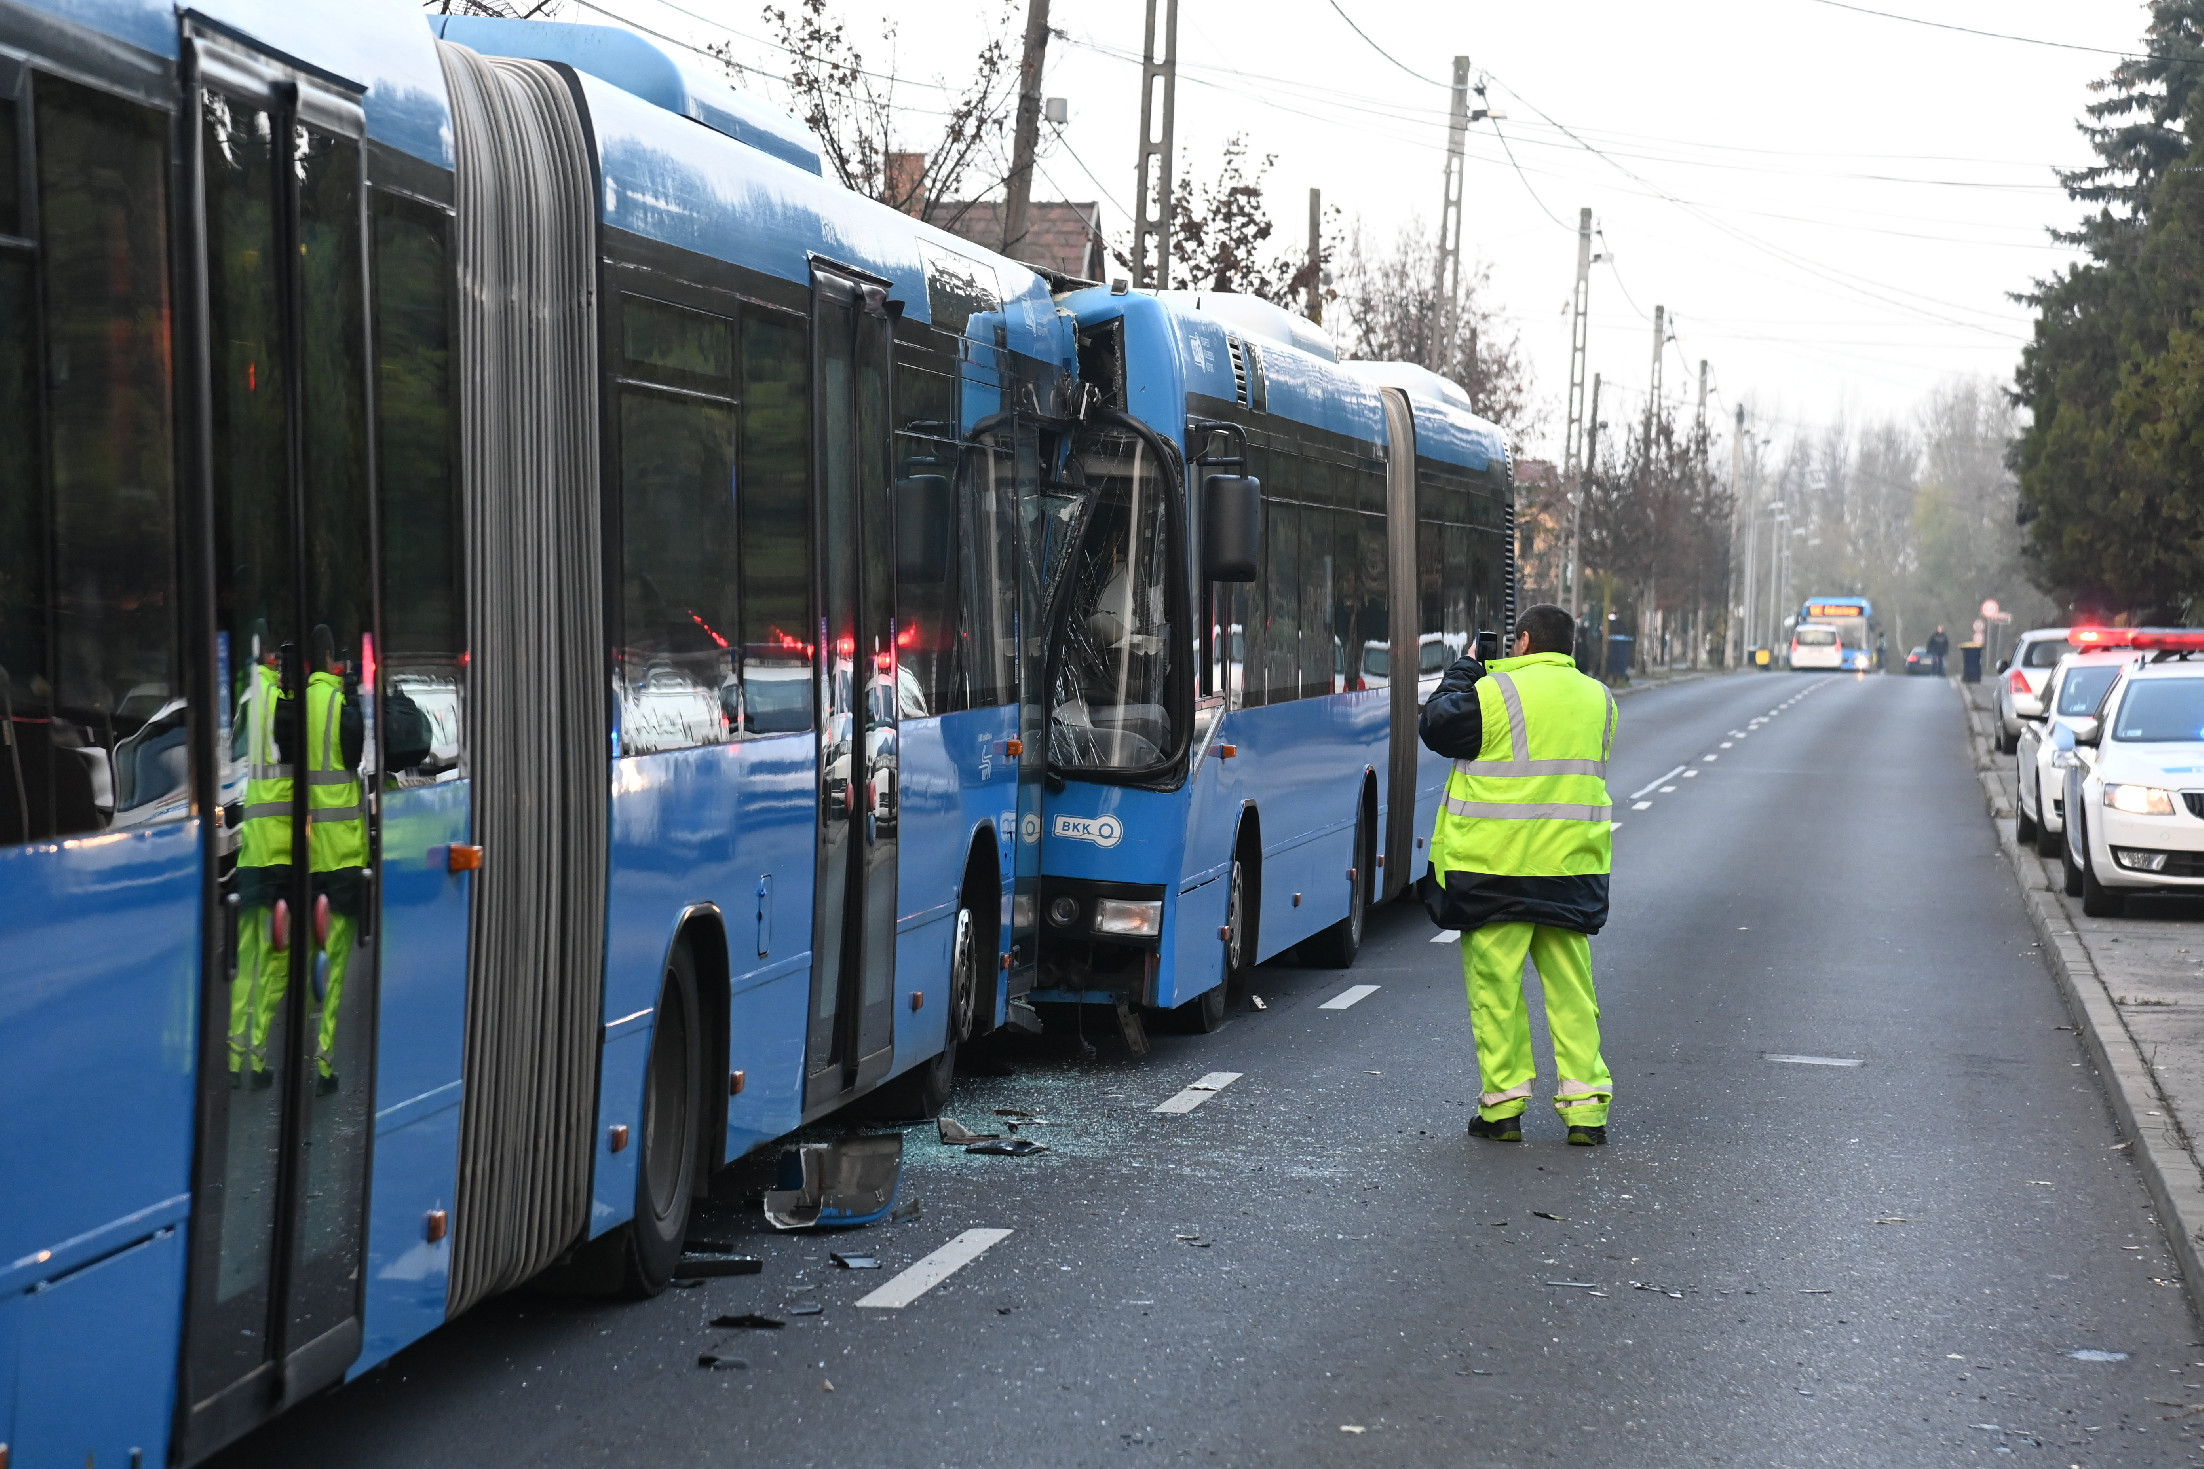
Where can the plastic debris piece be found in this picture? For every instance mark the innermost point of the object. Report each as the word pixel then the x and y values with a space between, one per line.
pixel 708 1265
pixel 837 1185
pixel 1816 1290
pixel 747 1321
pixel 1009 1147
pixel 1894 1219
pixel 826 1384
pixel 1195 1240
pixel 1542 1214
pixel 1256 1002
pixel 2128 1144
pixel 1352 1428
pixel 1014 1112
pixel 855 1262
pixel 804 1308
pixel 720 1362
pixel 956 1134
pixel 908 1209
pixel 1576 1284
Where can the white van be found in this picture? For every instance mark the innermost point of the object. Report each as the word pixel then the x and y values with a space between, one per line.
pixel 1816 645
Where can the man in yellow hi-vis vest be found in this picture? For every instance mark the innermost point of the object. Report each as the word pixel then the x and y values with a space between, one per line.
pixel 265 715
pixel 1519 863
pixel 336 839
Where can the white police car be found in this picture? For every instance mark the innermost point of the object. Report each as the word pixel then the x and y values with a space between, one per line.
pixel 2070 697
pixel 2136 810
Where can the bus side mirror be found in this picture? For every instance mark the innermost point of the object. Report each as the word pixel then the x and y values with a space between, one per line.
pixel 1231 527
pixel 924 511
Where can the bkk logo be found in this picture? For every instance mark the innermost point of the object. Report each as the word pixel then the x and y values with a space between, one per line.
pixel 1103 831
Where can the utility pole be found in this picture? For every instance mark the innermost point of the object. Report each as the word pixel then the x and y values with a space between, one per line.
pixel 1742 618
pixel 1590 463
pixel 1446 290
pixel 1653 395
pixel 1158 98
pixel 1316 256
pixel 1572 468
pixel 1699 430
pixel 1019 193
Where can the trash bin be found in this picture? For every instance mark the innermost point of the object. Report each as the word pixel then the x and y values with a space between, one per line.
pixel 1618 656
pixel 1762 658
pixel 1970 663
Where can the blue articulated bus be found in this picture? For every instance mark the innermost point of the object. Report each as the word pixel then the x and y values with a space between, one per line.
pixel 517 679
pixel 1233 764
pixel 1853 618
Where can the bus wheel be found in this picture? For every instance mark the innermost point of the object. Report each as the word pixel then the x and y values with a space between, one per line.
pixel 1239 943
pixel 666 1158
pixel 1204 1014
pixel 1337 946
pixel 923 1091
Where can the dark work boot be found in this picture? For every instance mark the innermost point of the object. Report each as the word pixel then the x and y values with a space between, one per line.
pixel 1587 1137
pixel 1503 1130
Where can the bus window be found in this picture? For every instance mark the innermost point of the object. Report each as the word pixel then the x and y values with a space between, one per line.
pixel 1280 673
pixel 678 659
pixel 987 559
pixel 424 571
pixel 1317 577
pixel 1112 701
pixel 775 509
pixel 88 674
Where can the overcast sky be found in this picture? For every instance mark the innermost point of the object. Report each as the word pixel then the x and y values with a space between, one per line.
pixel 1833 206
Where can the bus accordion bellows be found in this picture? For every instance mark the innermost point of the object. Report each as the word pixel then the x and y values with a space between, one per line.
pixel 544 645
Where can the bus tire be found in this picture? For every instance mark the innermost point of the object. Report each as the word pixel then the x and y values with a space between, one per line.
pixel 1241 904
pixel 1337 946
pixel 923 1091
pixel 664 1162
pixel 1204 1014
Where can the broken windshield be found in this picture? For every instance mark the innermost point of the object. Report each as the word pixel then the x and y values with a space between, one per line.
pixel 1111 704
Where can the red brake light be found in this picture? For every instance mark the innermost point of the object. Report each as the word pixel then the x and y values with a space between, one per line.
pixel 2018 682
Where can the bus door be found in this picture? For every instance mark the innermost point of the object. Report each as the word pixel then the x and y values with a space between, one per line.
pixel 286 1046
pixel 851 1037
pixel 1403 673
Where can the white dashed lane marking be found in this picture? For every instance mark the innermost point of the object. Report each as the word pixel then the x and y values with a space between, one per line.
pixel 1353 995
pixel 1812 1060
pixel 1200 1092
pixel 934 1269
pixel 1648 787
pixel 1644 805
pixel 1447 936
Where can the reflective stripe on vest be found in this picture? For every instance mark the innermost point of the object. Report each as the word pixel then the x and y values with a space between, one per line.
pixel 264 832
pixel 336 812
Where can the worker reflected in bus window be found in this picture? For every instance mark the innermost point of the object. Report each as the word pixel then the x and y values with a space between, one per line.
pixel 266 738
pixel 336 841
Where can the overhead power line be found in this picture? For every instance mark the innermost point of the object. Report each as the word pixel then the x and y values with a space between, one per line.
pixel 1380 50
pixel 1938 25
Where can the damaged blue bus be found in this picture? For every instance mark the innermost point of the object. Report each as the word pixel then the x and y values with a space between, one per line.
pixel 1232 755
pixel 516 674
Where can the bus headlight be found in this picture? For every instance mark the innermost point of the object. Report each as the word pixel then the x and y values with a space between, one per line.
pixel 2139 800
pixel 1133 917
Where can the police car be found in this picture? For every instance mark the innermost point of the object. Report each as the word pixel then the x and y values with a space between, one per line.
pixel 2076 686
pixel 2135 794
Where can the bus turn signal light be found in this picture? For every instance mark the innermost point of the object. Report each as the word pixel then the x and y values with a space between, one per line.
pixel 736 1081
pixel 618 1137
pixel 464 858
pixel 435 1225
pixel 1013 747
pixel 1226 752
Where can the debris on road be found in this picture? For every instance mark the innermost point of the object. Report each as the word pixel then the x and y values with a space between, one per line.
pixel 1009 1147
pixel 1352 1428
pixel 807 1308
pixel 1659 1290
pixel 747 1321
pixel 1575 1284
pixel 1018 1112
pixel 1256 1002
pixel 908 1209
pixel 1542 1214
pixel 826 1384
pixel 1894 1219
pixel 1816 1290
pixel 707 1264
pixel 956 1134
pixel 837 1185
pixel 1195 1240
pixel 718 1362
pixel 855 1262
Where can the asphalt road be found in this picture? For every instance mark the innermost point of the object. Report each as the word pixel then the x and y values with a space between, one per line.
pixel 1774 1263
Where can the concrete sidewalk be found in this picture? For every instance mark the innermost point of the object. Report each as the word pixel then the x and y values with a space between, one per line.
pixel 2134 988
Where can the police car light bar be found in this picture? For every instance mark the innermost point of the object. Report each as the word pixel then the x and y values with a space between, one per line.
pixel 2100 637
pixel 2167 639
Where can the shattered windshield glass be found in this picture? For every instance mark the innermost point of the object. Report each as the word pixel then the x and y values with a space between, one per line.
pixel 1109 707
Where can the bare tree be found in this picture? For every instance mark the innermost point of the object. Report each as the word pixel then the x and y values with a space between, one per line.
pixel 852 108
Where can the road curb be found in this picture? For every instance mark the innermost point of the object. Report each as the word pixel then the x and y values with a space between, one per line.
pixel 2171 1173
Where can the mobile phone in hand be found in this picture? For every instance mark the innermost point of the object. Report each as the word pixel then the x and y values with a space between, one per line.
pixel 1488 645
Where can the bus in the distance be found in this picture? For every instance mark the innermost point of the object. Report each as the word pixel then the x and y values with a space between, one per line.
pixel 1853 620
pixel 1278 555
pixel 514 679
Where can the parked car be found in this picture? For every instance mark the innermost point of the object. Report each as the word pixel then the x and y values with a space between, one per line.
pixel 2135 812
pixel 2075 690
pixel 1919 661
pixel 2020 691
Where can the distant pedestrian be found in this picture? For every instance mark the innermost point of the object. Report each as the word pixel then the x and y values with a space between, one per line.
pixel 1519 864
pixel 1938 646
pixel 1882 647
